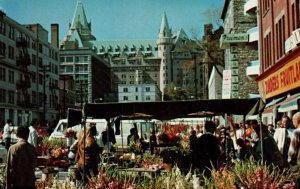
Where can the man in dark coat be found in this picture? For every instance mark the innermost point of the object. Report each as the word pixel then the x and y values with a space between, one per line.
pixel 208 149
pixel 21 162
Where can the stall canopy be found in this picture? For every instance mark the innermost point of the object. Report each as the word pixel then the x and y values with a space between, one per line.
pixel 165 110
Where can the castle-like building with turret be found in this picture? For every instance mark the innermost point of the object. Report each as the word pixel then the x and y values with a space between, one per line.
pixel 131 70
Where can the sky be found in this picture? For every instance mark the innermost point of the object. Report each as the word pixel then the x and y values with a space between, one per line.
pixel 115 19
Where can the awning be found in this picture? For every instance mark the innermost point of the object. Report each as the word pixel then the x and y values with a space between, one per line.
pixel 165 110
pixel 289 104
pixel 271 106
pixel 275 101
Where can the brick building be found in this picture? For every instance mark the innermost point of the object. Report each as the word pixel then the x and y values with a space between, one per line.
pixel 279 82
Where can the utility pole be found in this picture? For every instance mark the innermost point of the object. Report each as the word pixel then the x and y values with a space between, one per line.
pixel 81 94
pixel 44 70
pixel 64 109
pixel 195 81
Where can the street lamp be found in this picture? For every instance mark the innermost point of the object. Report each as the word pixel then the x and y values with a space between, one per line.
pixel 45 68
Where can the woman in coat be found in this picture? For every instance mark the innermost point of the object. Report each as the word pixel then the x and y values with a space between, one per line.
pixel 87 156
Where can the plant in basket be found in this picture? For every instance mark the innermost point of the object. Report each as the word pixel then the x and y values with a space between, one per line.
pixel 69 133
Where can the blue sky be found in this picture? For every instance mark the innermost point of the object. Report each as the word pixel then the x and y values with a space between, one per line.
pixel 115 19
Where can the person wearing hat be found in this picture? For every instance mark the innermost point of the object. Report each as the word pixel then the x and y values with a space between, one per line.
pixel 21 162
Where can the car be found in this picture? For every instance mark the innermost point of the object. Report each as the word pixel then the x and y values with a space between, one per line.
pixel 121 140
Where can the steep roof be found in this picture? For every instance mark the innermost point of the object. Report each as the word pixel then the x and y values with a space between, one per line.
pixel 79 17
pixel 75 37
pixel 114 46
pixel 164 27
pixel 180 35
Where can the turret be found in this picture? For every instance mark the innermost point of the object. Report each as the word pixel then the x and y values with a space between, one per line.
pixel 164 44
pixel 80 23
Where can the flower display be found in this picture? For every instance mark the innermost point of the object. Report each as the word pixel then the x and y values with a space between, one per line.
pixel 69 132
pixel 171 134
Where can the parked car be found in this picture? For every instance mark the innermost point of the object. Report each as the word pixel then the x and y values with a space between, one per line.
pixel 121 139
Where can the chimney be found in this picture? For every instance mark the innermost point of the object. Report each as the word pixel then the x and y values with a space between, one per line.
pixel 54 34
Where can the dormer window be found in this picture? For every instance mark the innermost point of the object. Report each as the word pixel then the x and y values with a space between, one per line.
pixel 131 54
pixel 148 53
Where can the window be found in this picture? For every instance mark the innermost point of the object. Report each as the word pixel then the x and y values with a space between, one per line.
pixel 2 27
pixel 125 90
pixel 34 100
pixel 147 89
pixel 2 74
pixel 33 60
pixel 148 98
pixel 40 48
pixel 136 89
pixel 11 97
pixel 33 45
pixel 11 76
pixel 62 59
pixel 40 79
pixel 125 98
pixel 33 78
pixel 2 95
pixel 40 62
pixel 69 59
pixel 136 97
pixel 2 48
pixel 40 99
pixel 11 33
pixel 11 52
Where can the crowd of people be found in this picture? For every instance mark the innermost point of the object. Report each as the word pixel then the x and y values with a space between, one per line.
pixel 218 145
pixel 211 146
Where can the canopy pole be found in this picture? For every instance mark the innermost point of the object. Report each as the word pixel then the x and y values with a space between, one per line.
pixel 84 145
pixel 122 142
pixel 261 135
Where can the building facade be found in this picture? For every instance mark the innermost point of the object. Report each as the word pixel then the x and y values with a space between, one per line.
pixel 138 93
pixel 279 81
pixel 80 61
pixel 241 49
pixel 167 60
pixel 28 73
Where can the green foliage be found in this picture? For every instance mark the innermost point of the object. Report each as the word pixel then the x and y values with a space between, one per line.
pixel 2 176
pixel 54 143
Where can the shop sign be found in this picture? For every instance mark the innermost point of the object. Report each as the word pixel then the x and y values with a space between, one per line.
pixel 284 79
pixel 234 64
pixel 234 87
pixel 292 41
pixel 234 79
pixel 235 72
pixel 234 56
pixel 235 94
pixel 235 38
pixel 233 49
pixel 226 86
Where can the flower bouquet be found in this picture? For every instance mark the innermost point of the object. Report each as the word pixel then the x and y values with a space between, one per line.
pixel 69 133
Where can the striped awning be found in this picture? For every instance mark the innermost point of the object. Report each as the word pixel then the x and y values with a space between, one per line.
pixel 289 104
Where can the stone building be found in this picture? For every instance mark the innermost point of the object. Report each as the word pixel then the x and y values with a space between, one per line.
pixel 241 49
pixel 79 60
pixel 167 60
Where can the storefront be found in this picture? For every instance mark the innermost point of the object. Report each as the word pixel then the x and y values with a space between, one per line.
pixel 279 86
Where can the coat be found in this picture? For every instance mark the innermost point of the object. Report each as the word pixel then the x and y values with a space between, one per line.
pixel 21 163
